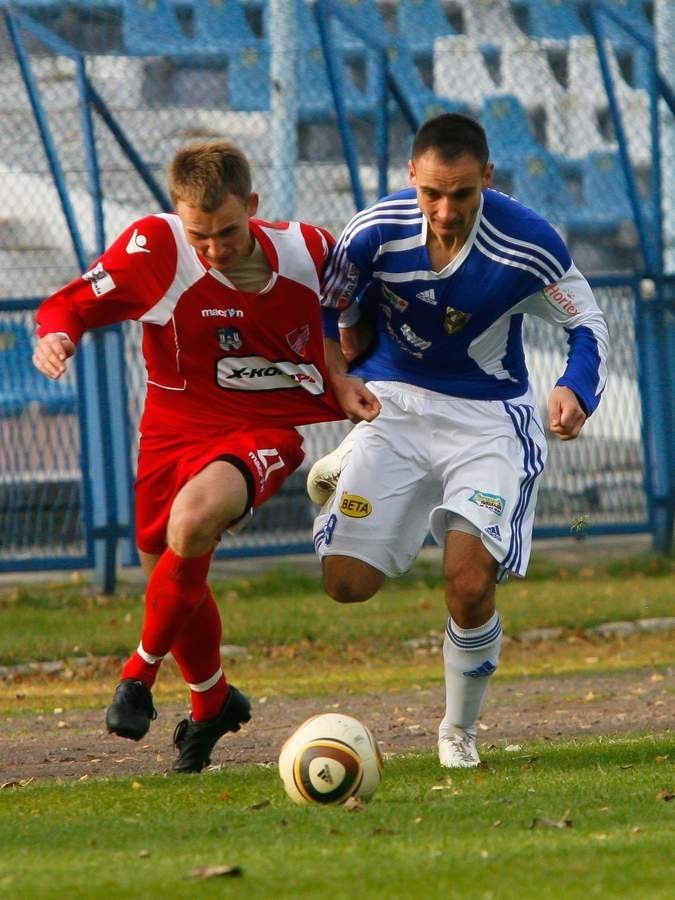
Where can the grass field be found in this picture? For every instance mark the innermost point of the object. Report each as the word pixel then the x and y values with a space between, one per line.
pixel 583 818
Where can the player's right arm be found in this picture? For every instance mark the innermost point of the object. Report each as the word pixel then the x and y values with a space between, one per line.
pixel 132 275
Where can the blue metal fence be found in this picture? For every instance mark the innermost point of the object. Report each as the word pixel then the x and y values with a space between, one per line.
pixel 67 451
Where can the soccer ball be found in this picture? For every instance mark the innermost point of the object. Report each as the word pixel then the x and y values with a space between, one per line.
pixel 329 758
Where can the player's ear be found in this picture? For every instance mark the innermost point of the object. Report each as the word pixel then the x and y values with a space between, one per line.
pixel 411 171
pixel 487 174
pixel 252 205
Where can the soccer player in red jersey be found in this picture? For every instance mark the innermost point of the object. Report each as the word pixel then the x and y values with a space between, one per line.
pixel 233 346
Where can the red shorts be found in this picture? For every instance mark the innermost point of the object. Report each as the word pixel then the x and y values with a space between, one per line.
pixel 266 456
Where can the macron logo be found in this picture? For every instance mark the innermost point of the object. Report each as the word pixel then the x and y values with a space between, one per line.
pixel 427 296
pixel 137 243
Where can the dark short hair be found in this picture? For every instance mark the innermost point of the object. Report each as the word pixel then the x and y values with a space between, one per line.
pixel 203 174
pixel 451 135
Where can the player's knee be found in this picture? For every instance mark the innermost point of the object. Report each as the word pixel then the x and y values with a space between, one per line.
pixel 353 582
pixel 189 533
pixel 468 590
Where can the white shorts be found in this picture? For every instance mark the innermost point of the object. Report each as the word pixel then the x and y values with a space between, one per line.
pixel 426 459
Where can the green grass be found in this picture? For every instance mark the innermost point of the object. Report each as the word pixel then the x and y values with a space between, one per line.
pixel 290 608
pixel 479 834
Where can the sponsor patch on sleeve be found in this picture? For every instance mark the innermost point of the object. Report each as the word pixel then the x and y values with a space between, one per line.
pixel 101 281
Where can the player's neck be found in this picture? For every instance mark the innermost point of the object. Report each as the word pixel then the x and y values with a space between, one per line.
pixel 442 252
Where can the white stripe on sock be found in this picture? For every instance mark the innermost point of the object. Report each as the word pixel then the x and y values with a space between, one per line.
pixel 209 683
pixel 148 657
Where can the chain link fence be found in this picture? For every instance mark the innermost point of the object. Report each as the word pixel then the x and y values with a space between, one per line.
pixel 164 73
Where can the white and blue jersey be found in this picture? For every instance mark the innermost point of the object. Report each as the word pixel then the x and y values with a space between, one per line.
pixel 459 331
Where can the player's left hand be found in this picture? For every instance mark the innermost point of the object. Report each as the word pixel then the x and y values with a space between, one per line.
pixel 565 415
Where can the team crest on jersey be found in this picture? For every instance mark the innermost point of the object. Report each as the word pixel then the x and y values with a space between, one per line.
pixel 394 300
pixel 229 338
pixel 455 320
pixel 297 339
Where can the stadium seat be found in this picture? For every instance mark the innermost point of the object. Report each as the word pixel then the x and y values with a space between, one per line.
pixel 605 192
pixel 508 131
pixel 539 182
pixel 526 73
pixel 423 102
pixel 550 18
pixel 249 77
pixel 151 28
pixel 488 20
pixel 634 13
pixel 460 72
pixel 221 24
pixel 364 13
pixel 22 384
pixel 419 23
pixel 585 83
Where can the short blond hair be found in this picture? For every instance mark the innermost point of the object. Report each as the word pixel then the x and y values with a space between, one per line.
pixel 204 173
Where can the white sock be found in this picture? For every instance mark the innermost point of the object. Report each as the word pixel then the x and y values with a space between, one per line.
pixel 470 656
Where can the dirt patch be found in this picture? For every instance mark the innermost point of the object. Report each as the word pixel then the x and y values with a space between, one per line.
pixel 74 744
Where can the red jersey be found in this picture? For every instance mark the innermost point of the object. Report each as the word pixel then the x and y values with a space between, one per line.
pixel 214 355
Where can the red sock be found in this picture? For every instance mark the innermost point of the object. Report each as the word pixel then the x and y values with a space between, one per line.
pixel 176 588
pixel 197 652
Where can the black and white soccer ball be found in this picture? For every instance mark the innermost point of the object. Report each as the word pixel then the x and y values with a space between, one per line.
pixel 330 758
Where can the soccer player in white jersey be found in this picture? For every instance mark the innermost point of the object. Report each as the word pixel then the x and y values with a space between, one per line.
pixel 428 289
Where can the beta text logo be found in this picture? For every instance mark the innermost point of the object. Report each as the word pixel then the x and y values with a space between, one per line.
pixel 354 506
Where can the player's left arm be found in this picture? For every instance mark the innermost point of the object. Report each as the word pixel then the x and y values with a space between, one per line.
pixel 569 303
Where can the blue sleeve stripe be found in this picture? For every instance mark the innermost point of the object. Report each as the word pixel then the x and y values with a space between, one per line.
pixel 558 266
pixel 543 275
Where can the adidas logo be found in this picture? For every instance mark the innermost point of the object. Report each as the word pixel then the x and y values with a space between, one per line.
pixel 427 296
pixel 494 532
pixel 485 669
pixel 324 774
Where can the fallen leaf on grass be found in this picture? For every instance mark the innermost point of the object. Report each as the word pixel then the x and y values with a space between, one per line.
pixel 665 796
pixel 216 872
pixel 353 804
pixel 260 805
pixel 12 784
pixel 545 822
pixel 661 759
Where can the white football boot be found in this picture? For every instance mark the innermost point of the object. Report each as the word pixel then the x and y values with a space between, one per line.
pixel 324 474
pixel 458 750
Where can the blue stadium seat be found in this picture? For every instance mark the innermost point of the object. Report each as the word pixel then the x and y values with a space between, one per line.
pixel 634 12
pixel 151 28
pixel 21 383
pixel 364 13
pixel 423 102
pixel 419 23
pixel 508 131
pixel 249 77
pixel 550 18
pixel 605 193
pixel 539 182
pixel 220 24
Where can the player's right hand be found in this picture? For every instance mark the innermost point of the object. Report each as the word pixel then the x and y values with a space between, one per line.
pixel 357 402
pixel 51 353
